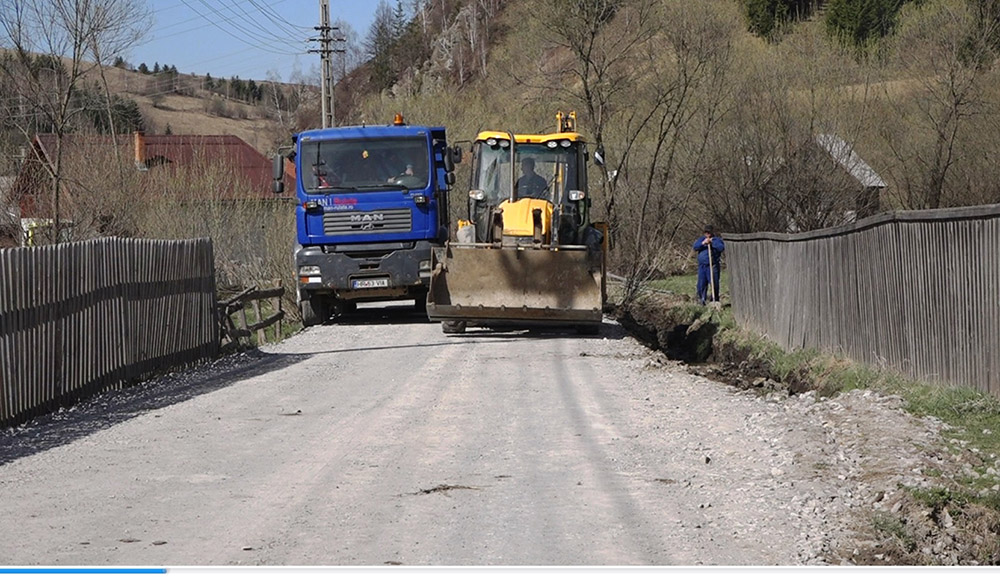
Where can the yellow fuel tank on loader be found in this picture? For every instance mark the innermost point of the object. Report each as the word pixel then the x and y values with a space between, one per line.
pixel 528 255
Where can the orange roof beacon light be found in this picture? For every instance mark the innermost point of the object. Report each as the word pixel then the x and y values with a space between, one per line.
pixel 398 120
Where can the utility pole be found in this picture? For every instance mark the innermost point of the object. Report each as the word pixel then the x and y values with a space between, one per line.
pixel 326 51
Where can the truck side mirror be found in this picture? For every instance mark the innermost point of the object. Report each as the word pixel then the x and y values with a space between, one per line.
pixel 449 160
pixel 456 153
pixel 449 178
pixel 278 174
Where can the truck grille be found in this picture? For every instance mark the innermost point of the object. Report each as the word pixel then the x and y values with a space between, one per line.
pixel 355 222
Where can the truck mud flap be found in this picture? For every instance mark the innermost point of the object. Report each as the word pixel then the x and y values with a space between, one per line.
pixel 485 285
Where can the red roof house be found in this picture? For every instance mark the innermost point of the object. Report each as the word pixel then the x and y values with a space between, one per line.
pixel 152 155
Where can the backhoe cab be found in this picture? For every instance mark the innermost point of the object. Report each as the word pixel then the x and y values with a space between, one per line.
pixel 528 253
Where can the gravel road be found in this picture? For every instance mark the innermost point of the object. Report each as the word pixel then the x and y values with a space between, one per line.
pixel 382 441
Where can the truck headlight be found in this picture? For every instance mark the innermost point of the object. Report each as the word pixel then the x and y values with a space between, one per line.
pixel 309 270
pixel 576 195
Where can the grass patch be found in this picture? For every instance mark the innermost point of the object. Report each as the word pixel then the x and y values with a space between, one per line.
pixel 893 529
pixel 686 285
pixel 938 498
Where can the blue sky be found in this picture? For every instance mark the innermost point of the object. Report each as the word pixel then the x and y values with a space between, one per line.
pixel 245 38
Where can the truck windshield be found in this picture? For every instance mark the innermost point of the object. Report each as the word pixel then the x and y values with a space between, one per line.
pixel 364 164
pixel 543 172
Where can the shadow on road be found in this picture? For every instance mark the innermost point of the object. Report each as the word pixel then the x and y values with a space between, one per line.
pixel 378 314
pixel 110 408
pixel 405 346
pixel 607 331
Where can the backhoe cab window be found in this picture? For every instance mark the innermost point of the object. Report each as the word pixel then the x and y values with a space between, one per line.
pixel 365 165
pixel 542 172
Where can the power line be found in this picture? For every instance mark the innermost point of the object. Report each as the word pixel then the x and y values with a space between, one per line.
pixel 274 15
pixel 292 30
pixel 264 29
pixel 261 45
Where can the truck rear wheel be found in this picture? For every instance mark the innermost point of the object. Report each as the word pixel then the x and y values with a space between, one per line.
pixel 314 311
pixel 453 327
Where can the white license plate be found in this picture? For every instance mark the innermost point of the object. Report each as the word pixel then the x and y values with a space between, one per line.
pixel 370 283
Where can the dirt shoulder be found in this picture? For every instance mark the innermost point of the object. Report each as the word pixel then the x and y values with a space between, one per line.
pixel 902 482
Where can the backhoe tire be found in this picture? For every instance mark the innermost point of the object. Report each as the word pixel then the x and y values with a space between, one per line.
pixel 420 305
pixel 314 311
pixel 453 327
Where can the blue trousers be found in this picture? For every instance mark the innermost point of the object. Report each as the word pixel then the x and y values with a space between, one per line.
pixel 703 280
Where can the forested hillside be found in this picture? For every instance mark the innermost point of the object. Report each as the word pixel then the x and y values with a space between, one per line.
pixel 711 111
pixel 749 114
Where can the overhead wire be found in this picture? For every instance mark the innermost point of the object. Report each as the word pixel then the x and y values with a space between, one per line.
pixel 280 23
pixel 273 15
pixel 283 26
pixel 260 44
pixel 251 21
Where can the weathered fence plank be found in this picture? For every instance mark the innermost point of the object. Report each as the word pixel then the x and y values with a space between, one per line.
pixel 233 332
pixel 918 291
pixel 80 318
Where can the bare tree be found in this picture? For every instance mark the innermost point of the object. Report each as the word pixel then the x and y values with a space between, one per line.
pixel 276 102
pixel 780 157
pixel 117 27
pixel 49 40
pixel 478 21
pixel 352 54
pixel 663 143
pixel 948 50
pixel 605 38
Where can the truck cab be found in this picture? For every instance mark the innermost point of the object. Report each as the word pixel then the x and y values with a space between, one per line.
pixel 372 203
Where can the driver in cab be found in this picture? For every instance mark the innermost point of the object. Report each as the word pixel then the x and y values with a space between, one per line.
pixel 408 172
pixel 530 184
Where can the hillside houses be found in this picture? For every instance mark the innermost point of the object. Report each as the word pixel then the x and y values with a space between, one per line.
pixel 102 183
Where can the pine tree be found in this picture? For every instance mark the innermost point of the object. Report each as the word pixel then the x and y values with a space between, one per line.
pixel 398 20
pixel 378 46
pixel 858 23
pixel 766 17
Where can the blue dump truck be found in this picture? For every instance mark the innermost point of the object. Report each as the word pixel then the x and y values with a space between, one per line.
pixel 372 203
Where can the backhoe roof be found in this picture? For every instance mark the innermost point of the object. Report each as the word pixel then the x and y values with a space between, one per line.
pixel 521 138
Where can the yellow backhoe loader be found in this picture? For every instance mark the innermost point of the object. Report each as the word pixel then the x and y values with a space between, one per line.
pixel 528 254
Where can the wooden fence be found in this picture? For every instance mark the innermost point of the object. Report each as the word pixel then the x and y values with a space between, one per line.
pixel 232 331
pixel 81 318
pixel 918 291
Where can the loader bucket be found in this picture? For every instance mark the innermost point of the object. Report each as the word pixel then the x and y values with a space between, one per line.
pixel 484 285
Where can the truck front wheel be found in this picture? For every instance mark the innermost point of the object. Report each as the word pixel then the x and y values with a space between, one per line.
pixel 314 311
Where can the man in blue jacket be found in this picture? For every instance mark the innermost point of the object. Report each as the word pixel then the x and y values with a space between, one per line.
pixel 709 249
